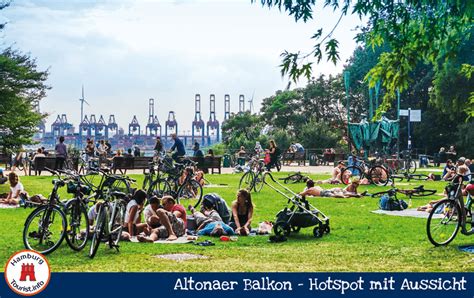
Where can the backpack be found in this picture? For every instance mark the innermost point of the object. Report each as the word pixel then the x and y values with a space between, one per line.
pixel 214 201
pixel 392 203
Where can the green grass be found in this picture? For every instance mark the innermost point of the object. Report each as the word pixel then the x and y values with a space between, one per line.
pixel 359 240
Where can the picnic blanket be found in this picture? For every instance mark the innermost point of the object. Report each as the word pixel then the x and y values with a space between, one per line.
pixel 180 240
pixel 7 206
pixel 467 248
pixel 407 213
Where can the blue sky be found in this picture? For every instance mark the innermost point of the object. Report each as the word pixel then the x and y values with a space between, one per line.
pixel 125 52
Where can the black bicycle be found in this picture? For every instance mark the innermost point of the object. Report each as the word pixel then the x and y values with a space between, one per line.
pixel 294 178
pixel 253 177
pixel 375 174
pixel 45 228
pixel 450 214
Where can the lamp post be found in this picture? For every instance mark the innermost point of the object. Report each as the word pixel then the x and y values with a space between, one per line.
pixel 347 85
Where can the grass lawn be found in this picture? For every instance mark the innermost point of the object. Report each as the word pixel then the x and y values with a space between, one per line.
pixel 359 240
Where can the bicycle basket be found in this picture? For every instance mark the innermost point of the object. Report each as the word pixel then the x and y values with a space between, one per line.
pixel 72 188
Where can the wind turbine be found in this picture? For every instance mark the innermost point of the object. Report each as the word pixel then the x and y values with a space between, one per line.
pixel 251 102
pixel 82 100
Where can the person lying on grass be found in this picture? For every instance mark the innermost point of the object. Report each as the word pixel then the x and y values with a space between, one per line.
pixel 210 223
pixel 16 188
pixel 318 191
pixel 172 220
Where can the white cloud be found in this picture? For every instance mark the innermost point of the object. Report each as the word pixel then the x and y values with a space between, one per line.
pixel 125 52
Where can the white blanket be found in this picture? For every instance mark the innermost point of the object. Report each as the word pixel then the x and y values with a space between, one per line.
pixel 407 212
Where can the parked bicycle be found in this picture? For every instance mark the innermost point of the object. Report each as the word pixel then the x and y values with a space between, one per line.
pixel 294 178
pixel 450 214
pixel 375 174
pixel 419 191
pixel 46 227
pixel 253 177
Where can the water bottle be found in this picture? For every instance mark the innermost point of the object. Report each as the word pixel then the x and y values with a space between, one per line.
pixel 409 203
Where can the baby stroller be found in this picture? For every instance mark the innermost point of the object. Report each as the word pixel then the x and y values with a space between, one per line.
pixel 298 213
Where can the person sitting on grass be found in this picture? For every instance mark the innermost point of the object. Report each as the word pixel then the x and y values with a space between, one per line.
pixel 151 218
pixel 172 218
pixel 351 189
pixel 16 189
pixel 3 179
pixel 336 175
pixel 132 223
pixel 242 213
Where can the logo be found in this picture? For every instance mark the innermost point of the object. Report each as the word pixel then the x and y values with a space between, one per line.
pixel 27 273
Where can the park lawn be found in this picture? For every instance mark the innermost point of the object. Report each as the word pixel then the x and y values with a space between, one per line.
pixel 359 240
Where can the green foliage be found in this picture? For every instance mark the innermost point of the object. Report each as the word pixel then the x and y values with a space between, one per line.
pixel 415 30
pixel 242 129
pixel 318 134
pixel 21 87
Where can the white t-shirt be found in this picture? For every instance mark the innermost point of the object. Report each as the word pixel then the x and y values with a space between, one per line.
pixel 14 190
pixel 127 214
pixel 148 212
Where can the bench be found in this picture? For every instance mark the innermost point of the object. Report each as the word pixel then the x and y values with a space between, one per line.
pixel 124 163
pixel 40 163
pixel 290 157
pixel 208 162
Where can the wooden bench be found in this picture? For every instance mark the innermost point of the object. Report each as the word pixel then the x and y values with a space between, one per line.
pixel 294 157
pixel 124 163
pixel 40 163
pixel 206 163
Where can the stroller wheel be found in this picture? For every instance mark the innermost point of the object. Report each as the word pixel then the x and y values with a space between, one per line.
pixel 317 233
pixel 295 229
pixel 281 228
pixel 327 229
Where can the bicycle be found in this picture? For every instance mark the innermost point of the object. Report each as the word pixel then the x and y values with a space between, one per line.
pixel 419 191
pixel 189 188
pixel 375 174
pixel 450 214
pixel 75 209
pixel 45 228
pixel 295 178
pixel 253 177
pixel 110 221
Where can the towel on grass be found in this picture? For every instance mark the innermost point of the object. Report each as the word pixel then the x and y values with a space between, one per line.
pixel 408 213
pixel 180 240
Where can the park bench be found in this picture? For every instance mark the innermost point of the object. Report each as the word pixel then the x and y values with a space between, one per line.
pixel 208 162
pixel 124 163
pixel 40 163
pixel 290 157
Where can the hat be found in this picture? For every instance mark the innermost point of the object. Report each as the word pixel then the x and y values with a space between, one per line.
pixel 462 159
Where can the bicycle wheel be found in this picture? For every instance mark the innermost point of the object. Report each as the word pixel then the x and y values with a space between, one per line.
pixel 146 182
pixel 423 193
pixel 350 171
pixel 118 218
pixel 99 231
pixel 443 222
pixel 247 181
pixel 159 188
pixel 379 176
pixel 45 229
pixel 77 231
pixel 258 182
pixel 419 177
pixel 190 190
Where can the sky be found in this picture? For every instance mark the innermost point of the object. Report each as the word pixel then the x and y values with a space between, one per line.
pixel 125 52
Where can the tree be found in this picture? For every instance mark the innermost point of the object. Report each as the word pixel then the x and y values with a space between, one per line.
pixel 243 129
pixel 21 88
pixel 415 30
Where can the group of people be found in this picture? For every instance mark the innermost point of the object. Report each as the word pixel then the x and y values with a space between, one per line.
pixel 153 218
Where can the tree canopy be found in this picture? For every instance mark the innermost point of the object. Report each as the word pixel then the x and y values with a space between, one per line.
pixel 22 86
pixel 414 30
